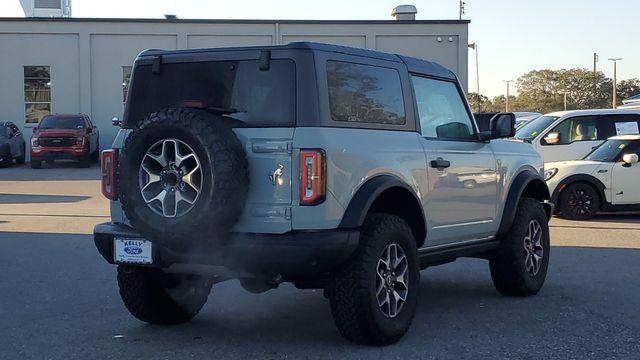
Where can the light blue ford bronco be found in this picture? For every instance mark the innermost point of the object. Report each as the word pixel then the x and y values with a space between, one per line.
pixel 329 167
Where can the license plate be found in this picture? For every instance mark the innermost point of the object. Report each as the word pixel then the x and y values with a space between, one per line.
pixel 132 251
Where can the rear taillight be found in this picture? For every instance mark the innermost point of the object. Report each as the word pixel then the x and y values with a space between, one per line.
pixel 313 184
pixel 108 166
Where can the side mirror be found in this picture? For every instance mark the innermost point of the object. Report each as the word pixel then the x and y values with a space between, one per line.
pixel 503 125
pixel 115 121
pixel 629 159
pixel 552 138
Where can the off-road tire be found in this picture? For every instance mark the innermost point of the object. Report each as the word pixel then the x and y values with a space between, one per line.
pixel 564 200
pixel 352 292
pixel 95 156
pixel 20 159
pixel 507 264
pixel 144 293
pixel 225 177
pixel 36 164
pixel 7 158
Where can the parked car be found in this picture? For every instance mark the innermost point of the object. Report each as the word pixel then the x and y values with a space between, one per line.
pixel 65 137
pixel 523 117
pixel 320 165
pixel 605 180
pixel 12 145
pixel 571 135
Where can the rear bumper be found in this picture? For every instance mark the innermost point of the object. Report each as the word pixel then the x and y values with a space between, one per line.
pixel 296 255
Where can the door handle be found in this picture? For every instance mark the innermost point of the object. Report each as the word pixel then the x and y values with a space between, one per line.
pixel 440 163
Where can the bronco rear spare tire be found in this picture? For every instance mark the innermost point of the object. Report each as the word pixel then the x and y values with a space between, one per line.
pixel 183 177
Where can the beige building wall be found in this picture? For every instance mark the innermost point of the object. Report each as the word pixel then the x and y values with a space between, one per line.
pixel 87 56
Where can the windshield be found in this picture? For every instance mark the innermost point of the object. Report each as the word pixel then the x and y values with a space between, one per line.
pixel 237 89
pixel 534 127
pixel 608 151
pixel 61 122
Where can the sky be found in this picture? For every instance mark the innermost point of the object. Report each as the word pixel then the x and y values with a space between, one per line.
pixel 513 36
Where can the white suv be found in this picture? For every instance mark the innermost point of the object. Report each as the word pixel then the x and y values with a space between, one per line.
pixel 607 179
pixel 571 135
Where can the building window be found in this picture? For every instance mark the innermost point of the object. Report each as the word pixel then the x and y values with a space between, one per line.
pixel 37 93
pixel 126 77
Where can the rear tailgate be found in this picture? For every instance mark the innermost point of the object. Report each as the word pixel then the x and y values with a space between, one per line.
pixel 270 153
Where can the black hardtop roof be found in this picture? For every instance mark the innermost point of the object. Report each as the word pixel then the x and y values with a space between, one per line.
pixel 413 64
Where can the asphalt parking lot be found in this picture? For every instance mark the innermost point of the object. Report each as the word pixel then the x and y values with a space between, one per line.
pixel 59 300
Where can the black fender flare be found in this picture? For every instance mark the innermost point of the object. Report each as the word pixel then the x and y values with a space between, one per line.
pixel 555 197
pixel 516 190
pixel 365 196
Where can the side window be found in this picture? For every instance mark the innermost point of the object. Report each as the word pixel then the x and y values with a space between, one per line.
pixel 441 110
pixel 595 127
pixel 580 128
pixel 364 93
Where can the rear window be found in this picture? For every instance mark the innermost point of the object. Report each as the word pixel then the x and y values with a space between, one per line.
pixel 240 88
pixel 364 93
pixel 62 122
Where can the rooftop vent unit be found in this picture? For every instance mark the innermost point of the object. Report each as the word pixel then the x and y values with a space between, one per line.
pixel 404 12
pixel 46 8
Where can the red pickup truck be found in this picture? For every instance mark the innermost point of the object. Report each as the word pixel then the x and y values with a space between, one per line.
pixel 68 137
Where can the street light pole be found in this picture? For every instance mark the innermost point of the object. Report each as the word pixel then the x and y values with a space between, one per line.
pixel 614 103
pixel 507 100
pixel 474 46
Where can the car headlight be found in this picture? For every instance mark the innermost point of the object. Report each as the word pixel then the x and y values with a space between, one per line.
pixel 549 173
pixel 34 141
pixel 80 141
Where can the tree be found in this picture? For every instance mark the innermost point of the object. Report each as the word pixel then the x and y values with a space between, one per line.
pixel 628 88
pixel 544 90
pixel 498 103
pixel 478 103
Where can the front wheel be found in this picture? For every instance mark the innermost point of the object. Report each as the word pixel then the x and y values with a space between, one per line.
pixel 519 265
pixel 20 159
pixel 579 201
pixel 374 297
pixel 95 156
pixel 159 298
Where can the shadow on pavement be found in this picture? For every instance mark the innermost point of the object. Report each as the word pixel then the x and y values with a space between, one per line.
pixel 587 309
pixel 35 199
pixel 55 172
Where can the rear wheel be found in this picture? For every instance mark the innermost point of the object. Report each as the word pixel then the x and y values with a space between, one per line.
pixel 374 297
pixel 519 265
pixel 579 201
pixel 159 298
